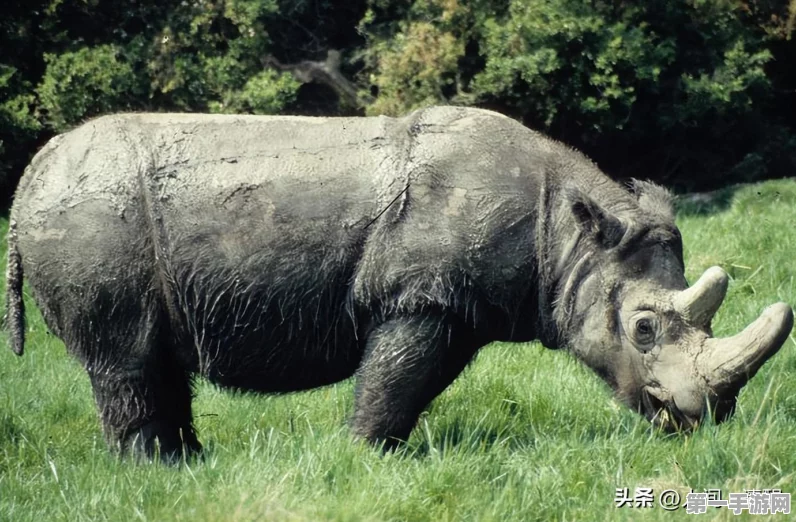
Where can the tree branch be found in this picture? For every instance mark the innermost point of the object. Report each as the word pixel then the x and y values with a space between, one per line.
pixel 326 72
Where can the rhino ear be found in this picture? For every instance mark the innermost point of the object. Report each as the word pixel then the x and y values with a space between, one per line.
pixel 653 199
pixel 595 222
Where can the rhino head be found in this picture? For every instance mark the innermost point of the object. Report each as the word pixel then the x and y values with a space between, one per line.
pixel 628 313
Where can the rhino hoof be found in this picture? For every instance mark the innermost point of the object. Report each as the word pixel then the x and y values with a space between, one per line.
pixel 158 441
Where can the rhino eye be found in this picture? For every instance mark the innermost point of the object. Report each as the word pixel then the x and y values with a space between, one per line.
pixel 644 327
pixel 645 331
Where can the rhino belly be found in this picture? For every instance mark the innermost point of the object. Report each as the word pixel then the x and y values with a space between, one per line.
pixel 283 327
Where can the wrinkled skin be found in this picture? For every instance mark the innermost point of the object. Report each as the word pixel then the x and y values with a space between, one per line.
pixel 277 254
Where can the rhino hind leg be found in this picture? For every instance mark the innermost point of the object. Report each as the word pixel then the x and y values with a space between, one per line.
pixel 146 412
pixel 408 362
pixel 143 395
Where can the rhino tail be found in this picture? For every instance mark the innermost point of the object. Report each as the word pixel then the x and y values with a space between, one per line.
pixel 15 306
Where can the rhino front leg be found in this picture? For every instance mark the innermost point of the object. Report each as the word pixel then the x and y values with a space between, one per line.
pixel 408 362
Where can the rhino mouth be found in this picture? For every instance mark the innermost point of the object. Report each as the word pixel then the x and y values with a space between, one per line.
pixel 664 414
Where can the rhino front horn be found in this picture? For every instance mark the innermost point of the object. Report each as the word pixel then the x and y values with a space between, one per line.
pixel 699 303
pixel 734 360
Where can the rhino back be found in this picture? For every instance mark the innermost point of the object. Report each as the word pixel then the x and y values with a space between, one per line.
pixel 241 186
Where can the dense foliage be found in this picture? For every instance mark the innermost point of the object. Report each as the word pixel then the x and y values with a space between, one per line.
pixel 692 93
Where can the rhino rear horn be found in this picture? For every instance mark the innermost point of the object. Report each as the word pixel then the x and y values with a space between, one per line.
pixel 699 303
pixel 732 361
pixel 653 199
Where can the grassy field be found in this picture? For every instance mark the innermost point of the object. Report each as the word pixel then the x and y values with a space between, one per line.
pixel 524 434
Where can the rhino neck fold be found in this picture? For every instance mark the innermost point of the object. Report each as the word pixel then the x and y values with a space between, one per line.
pixel 563 263
pixel 545 252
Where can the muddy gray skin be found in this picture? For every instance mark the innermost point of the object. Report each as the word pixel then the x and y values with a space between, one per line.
pixel 278 254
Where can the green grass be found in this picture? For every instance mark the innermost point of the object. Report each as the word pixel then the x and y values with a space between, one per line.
pixel 524 434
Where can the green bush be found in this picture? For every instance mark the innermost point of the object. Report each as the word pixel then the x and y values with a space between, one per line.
pixel 414 68
pixel 84 83
pixel 267 92
pixel 18 124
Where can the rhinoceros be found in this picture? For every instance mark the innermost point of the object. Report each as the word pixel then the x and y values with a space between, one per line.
pixel 280 253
